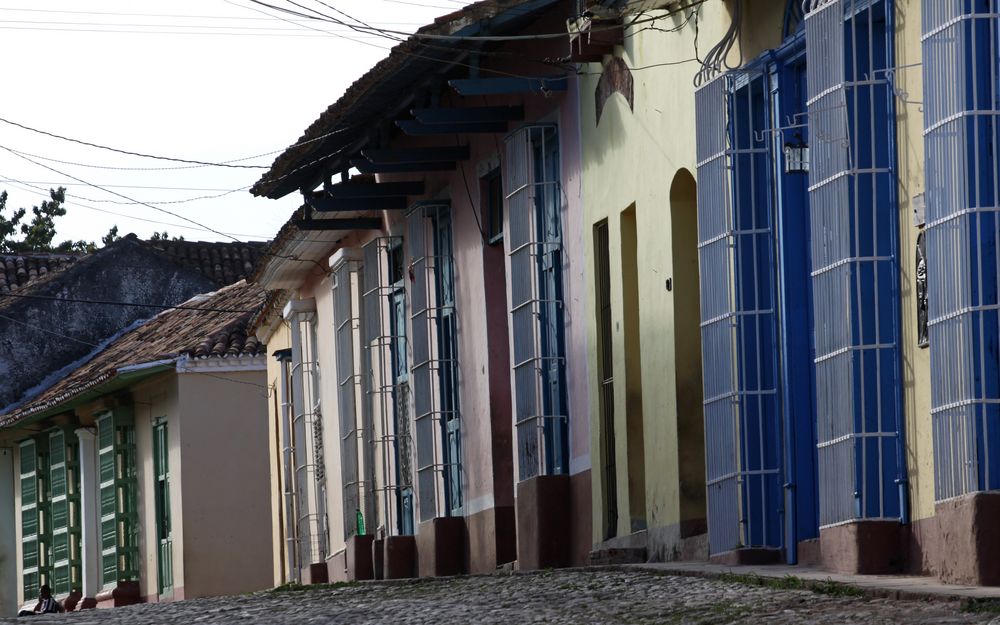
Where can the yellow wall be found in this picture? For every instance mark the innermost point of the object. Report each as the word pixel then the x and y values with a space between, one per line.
pixel 916 361
pixel 631 157
pixel 278 340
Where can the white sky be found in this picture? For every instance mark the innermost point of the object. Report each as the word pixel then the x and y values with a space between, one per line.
pixel 231 90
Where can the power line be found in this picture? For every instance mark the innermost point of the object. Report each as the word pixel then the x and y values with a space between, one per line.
pixel 167 15
pixel 74 300
pixel 232 163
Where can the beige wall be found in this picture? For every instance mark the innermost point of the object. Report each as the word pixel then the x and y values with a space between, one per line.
pixel 154 399
pixel 631 157
pixel 226 520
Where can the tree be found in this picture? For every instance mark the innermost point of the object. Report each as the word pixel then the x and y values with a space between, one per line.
pixel 41 230
pixel 163 236
pixel 8 225
pixel 111 236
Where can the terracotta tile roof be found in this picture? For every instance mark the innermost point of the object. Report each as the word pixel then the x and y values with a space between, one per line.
pixel 220 261
pixel 17 270
pixel 373 94
pixel 169 335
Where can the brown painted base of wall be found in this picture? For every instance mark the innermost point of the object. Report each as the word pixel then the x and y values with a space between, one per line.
pixel 810 553
pixel 968 540
pixel 542 505
pixel 378 558
pixel 177 594
pixel 358 558
pixel 751 556
pixel 87 603
pixel 492 539
pixel 863 547
pixel 441 547
pixel 399 557
pixel 125 593
pixel 72 600
pixel 315 573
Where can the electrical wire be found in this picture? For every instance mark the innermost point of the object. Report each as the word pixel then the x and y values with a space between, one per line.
pixel 95 302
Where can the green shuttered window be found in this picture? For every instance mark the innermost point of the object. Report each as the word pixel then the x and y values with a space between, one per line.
pixel 117 474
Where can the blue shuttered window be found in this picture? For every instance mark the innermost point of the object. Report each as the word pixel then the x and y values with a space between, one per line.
pixel 854 221
pixel 961 139
pixel 737 260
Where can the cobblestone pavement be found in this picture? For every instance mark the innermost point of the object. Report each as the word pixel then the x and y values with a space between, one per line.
pixel 561 597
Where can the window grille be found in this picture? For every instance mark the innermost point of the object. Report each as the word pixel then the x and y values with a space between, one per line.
pixel 307 432
pixel 738 325
pixel 118 499
pixel 961 138
pixel 384 319
pixel 355 417
pixel 437 422
pixel 535 253
pixel 854 222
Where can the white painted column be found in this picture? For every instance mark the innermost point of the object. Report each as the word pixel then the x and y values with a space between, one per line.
pixel 90 498
pixel 8 535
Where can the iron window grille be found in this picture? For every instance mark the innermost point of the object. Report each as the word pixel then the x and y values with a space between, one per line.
pixel 384 320
pixel 435 368
pixel 537 315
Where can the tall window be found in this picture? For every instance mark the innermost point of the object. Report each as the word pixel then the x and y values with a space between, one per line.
pixel 388 381
pixel 961 140
pixel 355 414
pixel 34 540
pixel 492 193
pixel 534 248
pixel 605 369
pixel 855 260
pixel 118 505
pixel 435 361
pixel 64 510
pixel 161 496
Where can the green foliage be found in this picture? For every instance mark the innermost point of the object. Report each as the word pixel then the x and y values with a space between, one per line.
pixel 163 236
pixel 111 236
pixel 40 232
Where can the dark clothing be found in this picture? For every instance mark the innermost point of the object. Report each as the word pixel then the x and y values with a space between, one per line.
pixel 44 606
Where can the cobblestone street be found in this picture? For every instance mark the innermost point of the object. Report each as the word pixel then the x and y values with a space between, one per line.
pixel 563 597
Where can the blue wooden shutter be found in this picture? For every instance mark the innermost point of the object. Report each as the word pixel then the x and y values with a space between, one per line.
pixel 855 270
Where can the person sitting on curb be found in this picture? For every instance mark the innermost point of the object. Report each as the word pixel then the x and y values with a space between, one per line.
pixel 47 604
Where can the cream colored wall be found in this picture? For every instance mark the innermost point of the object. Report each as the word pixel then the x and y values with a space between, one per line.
pixel 323 292
pixel 226 519
pixel 916 361
pixel 277 340
pixel 631 156
pixel 154 399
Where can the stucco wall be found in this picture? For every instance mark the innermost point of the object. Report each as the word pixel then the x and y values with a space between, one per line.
pixel 154 399
pixel 631 157
pixel 226 516
pixel 916 361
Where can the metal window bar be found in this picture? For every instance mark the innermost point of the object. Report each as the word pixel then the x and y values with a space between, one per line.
pixel 355 434
pixel 961 138
pixel 161 496
pixel 307 425
pixel 853 216
pixel 534 249
pixel 288 483
pixel 738 326
pixel 388 385
pixel 434 372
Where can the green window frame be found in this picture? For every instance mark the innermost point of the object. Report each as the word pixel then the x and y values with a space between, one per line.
pixel 118 500
pixel 161 494
pixel 64 511
pixel 34 570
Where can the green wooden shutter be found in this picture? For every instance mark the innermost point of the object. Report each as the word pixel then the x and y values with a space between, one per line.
pixel 30 569
pixel 161 468
pixel 116 460
pixel 64 505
